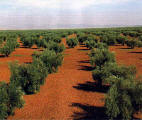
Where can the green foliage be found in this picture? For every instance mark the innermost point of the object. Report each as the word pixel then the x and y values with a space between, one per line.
pixel 9 47
pixel 57 39
pixel 101 45
pixel 110 71
pixel 50 59
pixel 123 99
pixel 58 48
pixel 10 99
pixel 41 43
pixel 131 43
pixel 41 69
pixel 121 39
pixel 29 41
pixel 139 43
pixel 111 40
pixel 90 44
pixel 72 42
pixel 82 38
pixel 92 38
pixel 104 39
pixel 101 57
pixel 26 76
pixel 140 38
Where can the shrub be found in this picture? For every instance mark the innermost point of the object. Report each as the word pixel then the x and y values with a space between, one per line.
pixel 104 39
pixel 41 70
pixel 101 57
pixel 121 39
pixel 9 47
pixel 92 38
pixel 26 77
pixel 41 43
pixel 10 99
pixel 72 42
pixel 82 38
pixel 101 45
pixel 111 40
pixel 139 43
pixel 50 59
pixel 58 48
pixel 123 99
pixel 131 43
pixel 90 44
pixel 110 71
pixel 140 38
pixel 28 41
pixel 57 39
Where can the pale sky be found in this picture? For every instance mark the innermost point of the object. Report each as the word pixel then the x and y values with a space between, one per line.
pixel 43 14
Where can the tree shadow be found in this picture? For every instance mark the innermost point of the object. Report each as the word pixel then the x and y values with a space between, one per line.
pixel 136 52
pixel 85 49
pixel 89 112
pixel 2 56
pixel 40 50
pixel 84 61
pixel 34 48
pixel 125 48
pixel 24 47
pixel 91 87
pixel 117 45
pixel 85 68
pixel 28 62
pixel 82 45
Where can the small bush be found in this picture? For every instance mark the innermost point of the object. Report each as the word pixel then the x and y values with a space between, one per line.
pixel 50 59
pixel 110 71
pixel 111 40
pixel 121 40
pixel 139 44
pixel 90 44
pixel 72 42
pixel 9 47
pixel 101 57
pixel 58 48
pixel 28 41
pixel 123 99
pixel 101 45
pixel 41 70
pixel 82 38
pixel 140 38
pixel 57 39
pixel 26 77
pixel 10 99
pixel 41 43
pixel 131 43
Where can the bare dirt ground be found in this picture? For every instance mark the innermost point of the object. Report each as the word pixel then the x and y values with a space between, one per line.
pixel 21 55
pixel 71 93
pixel 127 56
pixel 68 94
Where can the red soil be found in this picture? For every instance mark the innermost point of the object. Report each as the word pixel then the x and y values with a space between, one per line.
pixel 21 55
pixel 127 56
pixel 61 97
pixel 70 93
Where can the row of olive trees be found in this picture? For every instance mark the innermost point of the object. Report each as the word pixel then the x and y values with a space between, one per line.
pixel 8 45
pixel 124 96
pixel 27 78
pixel 91 40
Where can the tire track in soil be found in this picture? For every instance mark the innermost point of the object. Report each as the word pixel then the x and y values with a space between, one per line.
pixel 62 97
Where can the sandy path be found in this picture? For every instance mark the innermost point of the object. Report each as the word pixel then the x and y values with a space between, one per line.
pixel 68 94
